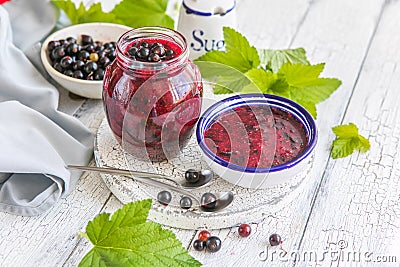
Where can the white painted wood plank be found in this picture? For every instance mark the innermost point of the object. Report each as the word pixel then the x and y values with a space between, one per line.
pixel 270 24
pixel 365 187
pixel 330 33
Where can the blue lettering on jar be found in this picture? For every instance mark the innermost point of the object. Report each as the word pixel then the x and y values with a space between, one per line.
pixel 205 44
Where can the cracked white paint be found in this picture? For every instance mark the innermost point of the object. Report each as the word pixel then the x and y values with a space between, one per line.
pixel 354 199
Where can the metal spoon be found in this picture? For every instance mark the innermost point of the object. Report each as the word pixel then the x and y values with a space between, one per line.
pixel 203 179
pixel 223 199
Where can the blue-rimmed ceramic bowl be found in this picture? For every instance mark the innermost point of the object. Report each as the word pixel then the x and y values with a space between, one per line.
pixel 258 177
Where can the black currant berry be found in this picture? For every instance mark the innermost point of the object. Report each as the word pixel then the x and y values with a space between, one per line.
pixel 208 201
pixel 98 74
pixel 58 52
pixel 69 73
pixel 89 67
pixel 275 240
pixel 66 62
pixel 52 45
pixel 143 53
pixel 98 45
pixel 78 74
pixel 164 197
pixel 145 44
pixel 71 40
pixel 132 51
pixel 89 48
pixel 154 57
pixel 186 202
pixel 198 245
pixel 104 61
pixel 58 67
pixel 86 39
pixel 72 49
pixel 77 65
pixel 111 54
pixel 192 176
pixel 155 45
pixel 213 244
pixel 159 50
pixel 83 55
pixel 169 53
pixel 108 46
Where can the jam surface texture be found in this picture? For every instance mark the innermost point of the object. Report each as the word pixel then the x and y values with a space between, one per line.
pixel 256 136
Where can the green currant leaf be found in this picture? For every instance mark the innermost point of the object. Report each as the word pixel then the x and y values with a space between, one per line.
pixel 137 13
pixel 345 131
pixel 126 239
pixel 347 140
pixel 147 13
pixel 274 59
pixel 237 43
pixel 298 75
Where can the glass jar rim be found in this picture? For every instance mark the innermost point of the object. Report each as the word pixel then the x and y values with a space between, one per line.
pixel 151 32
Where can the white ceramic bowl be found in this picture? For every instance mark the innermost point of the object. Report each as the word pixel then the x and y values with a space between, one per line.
pixel 105 32
pixel 258 177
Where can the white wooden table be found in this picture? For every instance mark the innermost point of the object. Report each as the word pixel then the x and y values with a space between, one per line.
pixel 351 205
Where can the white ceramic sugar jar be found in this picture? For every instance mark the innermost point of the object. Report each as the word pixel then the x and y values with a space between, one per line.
pixel 201 22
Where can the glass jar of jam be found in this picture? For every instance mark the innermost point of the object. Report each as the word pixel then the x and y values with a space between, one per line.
pixel 152 93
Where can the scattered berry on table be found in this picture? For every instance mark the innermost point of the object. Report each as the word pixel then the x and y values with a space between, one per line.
pixel 198 245
pixel 204 235
pixel 192 176
pixel 164 197
pixel 275 240
pixel 213 244
pixel 244 230
pixel 186 202
pixel 208 201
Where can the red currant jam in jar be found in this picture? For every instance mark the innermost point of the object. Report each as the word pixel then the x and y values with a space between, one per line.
pixel 256 136
pixel 152 93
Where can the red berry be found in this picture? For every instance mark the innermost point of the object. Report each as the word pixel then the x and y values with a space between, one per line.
pixel 244 230
pixel 204 235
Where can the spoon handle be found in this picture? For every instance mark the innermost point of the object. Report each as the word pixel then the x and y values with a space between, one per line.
pixel 137 176
pixel 111 170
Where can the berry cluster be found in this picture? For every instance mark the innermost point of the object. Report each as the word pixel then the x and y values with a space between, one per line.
pixel 86 60
pixel 208 200
pixel 213 243
pixel 205 240
pixel 147 51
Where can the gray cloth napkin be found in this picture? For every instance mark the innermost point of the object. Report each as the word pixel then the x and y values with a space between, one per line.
pixel 36 140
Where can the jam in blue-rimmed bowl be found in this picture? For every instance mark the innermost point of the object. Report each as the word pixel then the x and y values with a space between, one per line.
pixel 257 140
